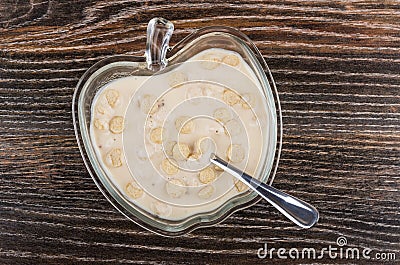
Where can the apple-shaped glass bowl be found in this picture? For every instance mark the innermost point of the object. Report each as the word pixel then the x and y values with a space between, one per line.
pixel 159 57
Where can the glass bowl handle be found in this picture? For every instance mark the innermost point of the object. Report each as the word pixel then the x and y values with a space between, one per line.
pixel 159 32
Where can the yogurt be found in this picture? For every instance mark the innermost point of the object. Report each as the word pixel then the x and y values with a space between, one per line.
pixel 154 135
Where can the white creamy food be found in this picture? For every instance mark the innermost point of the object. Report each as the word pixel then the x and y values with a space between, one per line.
pixel 153 135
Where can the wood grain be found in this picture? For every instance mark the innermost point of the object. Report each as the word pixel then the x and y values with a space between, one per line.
pixel 337 68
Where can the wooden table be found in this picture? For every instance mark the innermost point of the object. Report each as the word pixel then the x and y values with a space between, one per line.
pixel 337 68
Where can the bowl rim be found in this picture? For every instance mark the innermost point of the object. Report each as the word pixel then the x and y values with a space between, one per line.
pixel 172 52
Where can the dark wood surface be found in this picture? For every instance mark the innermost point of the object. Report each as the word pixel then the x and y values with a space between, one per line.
pixel 337 68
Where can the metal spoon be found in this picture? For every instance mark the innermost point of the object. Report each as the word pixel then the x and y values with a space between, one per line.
pixel 298 211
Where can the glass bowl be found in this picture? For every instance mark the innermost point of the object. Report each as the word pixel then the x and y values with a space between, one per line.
pixel 159 56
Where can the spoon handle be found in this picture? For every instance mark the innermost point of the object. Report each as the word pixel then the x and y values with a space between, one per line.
pixel 298 211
